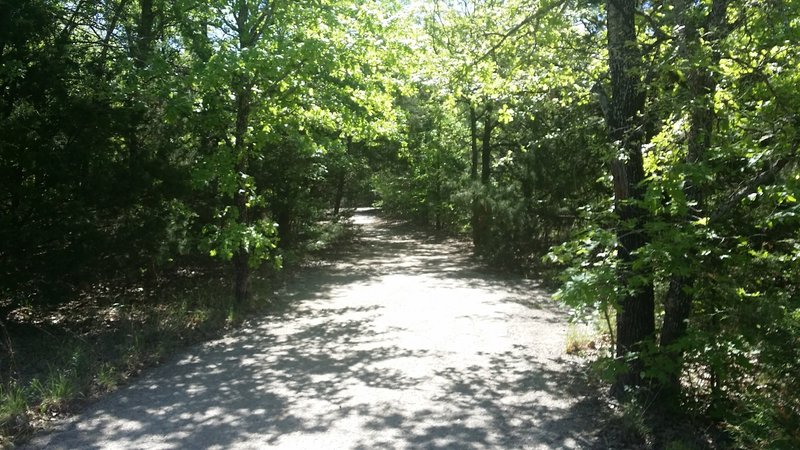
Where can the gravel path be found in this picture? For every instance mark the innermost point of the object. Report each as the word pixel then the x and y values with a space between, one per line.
pixel 404 343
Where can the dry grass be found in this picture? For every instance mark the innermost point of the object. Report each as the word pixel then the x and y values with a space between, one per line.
pixel 580 339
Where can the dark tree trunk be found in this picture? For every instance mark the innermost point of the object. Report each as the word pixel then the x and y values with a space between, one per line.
pixel 340 182
pixel 243 103
pixel 337 202
pixel 145 34
pixel 140 51
pixel 241 273
pixel 284 216
pixel 636 315
pixel 473 174
pixel 473 128
pixel 480 210
pixel 241 257
pixel 486 147
pixel 701 84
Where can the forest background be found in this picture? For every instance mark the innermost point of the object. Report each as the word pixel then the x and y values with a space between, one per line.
pixel 161 158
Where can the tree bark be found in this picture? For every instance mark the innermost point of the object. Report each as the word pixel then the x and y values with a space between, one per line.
pixel 636 315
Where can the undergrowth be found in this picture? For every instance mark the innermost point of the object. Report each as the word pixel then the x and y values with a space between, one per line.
pixel 55 361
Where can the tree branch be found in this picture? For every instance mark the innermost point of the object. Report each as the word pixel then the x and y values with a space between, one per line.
pixel 539 13
pixel 766 177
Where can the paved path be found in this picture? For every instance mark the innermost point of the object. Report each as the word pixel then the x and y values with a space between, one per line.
pixel 405 343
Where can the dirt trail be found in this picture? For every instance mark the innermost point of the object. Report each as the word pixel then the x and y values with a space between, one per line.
pixel 405 343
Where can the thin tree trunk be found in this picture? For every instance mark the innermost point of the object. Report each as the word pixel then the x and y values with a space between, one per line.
pixel 337 203
pixel 486 147
pixel 241 257
pixel 140 51
pixel 481 211
pixel 249 29
pixel 243 85
pixel 112 24
pixel 340 182
pixel 241 271
pixel 473 128
pixel 473 174
pixel 701 85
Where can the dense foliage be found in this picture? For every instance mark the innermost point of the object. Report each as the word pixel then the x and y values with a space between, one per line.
pixel 662 137
pixel 136 132
pixel 648 150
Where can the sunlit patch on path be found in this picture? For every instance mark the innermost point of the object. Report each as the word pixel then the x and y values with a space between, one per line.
pixel 404 343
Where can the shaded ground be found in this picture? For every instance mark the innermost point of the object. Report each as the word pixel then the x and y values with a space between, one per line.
pixel 403 343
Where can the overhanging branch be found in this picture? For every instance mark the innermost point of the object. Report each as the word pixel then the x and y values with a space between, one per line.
pixel 766 177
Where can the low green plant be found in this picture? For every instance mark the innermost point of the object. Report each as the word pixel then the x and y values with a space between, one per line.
pixel 58 389
pixel 232 317
pixel 81 367
pixel 13 403
pixel 108 377
pixel 634 420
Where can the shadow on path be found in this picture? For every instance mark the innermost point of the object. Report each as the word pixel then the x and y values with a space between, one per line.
pixel 405 342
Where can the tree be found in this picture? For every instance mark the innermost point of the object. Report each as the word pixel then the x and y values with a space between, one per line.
pixel 701 82
pixel 636 316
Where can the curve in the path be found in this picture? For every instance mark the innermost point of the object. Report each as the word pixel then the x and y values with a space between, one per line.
pixel 405 342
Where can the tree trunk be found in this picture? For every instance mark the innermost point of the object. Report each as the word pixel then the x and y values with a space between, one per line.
pixel 486 147
pixel 473 128
pixel 337 202
pixel 241 273
pixel 636 315
pixel 701 84
pixel 145 34
pixel 480 209
pixel 473 174
pixel 284 216
pixel 106 43
pixel 140 51
pixel 241 257
pixel 243 103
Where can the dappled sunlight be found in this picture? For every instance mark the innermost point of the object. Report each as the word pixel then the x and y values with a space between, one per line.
pixel 406 342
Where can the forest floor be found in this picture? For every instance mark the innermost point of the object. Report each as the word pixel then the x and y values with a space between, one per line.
pixel 403 341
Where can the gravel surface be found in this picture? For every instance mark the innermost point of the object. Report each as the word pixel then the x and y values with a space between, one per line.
pixel 405 342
